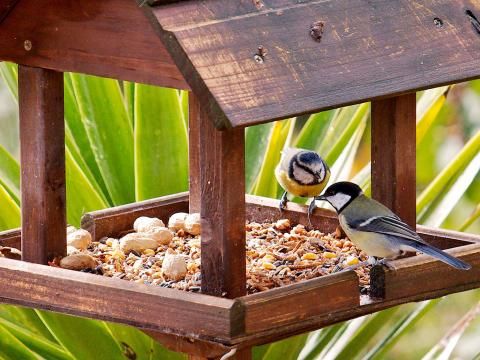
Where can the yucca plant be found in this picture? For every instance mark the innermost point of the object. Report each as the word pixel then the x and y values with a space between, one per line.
pixel 128 142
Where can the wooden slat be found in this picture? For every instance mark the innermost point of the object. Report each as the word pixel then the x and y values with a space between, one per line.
pixel 422 274
pixel 5 7
pixel 146 307
pixel 42 143
pixel 394 155
pixel 113 222
pixel 284 306
pixel 195 189
pixel 110 38
pixel 222 209
pixel 11 238
pixel 364 53
pixel 446 239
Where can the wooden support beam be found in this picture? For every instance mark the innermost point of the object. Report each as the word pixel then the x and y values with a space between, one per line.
pixel 194 155
pixel 393 154
pixel 222 182
pixel 218 183
pixel 42 141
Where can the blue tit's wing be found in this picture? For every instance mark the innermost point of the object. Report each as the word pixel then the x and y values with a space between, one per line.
pixel 388 225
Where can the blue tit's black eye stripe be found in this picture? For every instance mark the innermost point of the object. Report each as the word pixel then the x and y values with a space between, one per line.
pixel 291 172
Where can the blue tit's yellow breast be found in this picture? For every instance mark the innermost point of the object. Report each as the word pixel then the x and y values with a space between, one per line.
pixel 294 188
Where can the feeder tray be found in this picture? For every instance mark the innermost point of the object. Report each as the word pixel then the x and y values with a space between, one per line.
pixel 244 67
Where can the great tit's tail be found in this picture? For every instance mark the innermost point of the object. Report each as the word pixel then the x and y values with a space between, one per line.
pixel 441 255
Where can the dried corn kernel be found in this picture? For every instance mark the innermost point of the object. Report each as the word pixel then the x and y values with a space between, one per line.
pixel 309 256
pixel 269 258
pixel 352 260
pixel 329 255
pixel 268 266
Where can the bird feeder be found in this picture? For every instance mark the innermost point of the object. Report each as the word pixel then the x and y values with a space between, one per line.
pixel 246 62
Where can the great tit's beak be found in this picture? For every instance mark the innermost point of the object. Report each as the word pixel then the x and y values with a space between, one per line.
pixel 321 197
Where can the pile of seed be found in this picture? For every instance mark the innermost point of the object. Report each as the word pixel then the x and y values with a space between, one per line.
pixel 278 253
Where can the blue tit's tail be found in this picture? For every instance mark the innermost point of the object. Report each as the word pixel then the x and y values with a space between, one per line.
pixel 441 255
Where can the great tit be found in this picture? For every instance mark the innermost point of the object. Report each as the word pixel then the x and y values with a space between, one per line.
pixel 301 173
pixel 375 229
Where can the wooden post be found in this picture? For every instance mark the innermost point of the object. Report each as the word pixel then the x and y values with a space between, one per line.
pixel 42 141
pixel 194 154
pixel 393 154
pixel 217 188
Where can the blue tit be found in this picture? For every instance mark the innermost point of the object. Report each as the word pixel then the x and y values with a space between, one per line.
pixel 375 229
pixel 301 173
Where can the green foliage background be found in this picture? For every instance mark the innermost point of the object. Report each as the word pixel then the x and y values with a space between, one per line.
pixel 128 142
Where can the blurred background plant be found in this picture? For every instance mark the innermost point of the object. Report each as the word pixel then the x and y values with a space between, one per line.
pixel 128 142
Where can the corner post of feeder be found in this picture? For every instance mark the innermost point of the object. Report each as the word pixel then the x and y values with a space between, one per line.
pixel 42 145
pixel 393 154
pixel 217 189
pixel 220 189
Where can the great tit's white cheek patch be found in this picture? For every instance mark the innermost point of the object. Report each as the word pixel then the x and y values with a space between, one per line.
pixel 339 200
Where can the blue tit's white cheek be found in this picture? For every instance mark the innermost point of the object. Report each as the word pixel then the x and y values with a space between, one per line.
pixel 302 176
pixel 339 200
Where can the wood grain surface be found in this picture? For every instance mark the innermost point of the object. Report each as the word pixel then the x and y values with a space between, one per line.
pixel 394 155
pixel 294 303
pixel 423 274
pixel 146 307
pixel 110 38
pixel 42 144
pixel 222 206
pixel 5 7
pixel 116 221
pixel 368 50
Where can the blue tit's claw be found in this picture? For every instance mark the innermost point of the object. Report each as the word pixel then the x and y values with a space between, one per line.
pixel 283 202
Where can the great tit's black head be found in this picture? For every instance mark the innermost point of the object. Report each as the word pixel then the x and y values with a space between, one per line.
pixel 340 194
pixel 307 168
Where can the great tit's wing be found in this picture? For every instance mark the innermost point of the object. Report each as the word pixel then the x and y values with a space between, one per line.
pixel 388 225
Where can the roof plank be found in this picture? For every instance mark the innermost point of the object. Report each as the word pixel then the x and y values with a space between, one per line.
pixel 367 50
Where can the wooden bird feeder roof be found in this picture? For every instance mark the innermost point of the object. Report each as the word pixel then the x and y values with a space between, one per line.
pixel 314 55
pixel 245 62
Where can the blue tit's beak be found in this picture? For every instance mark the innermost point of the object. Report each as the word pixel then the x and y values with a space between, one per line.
pixel 319 177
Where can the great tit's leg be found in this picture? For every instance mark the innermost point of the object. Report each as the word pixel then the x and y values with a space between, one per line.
pixel 385 262
pixel 283 202
pixel 311 208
